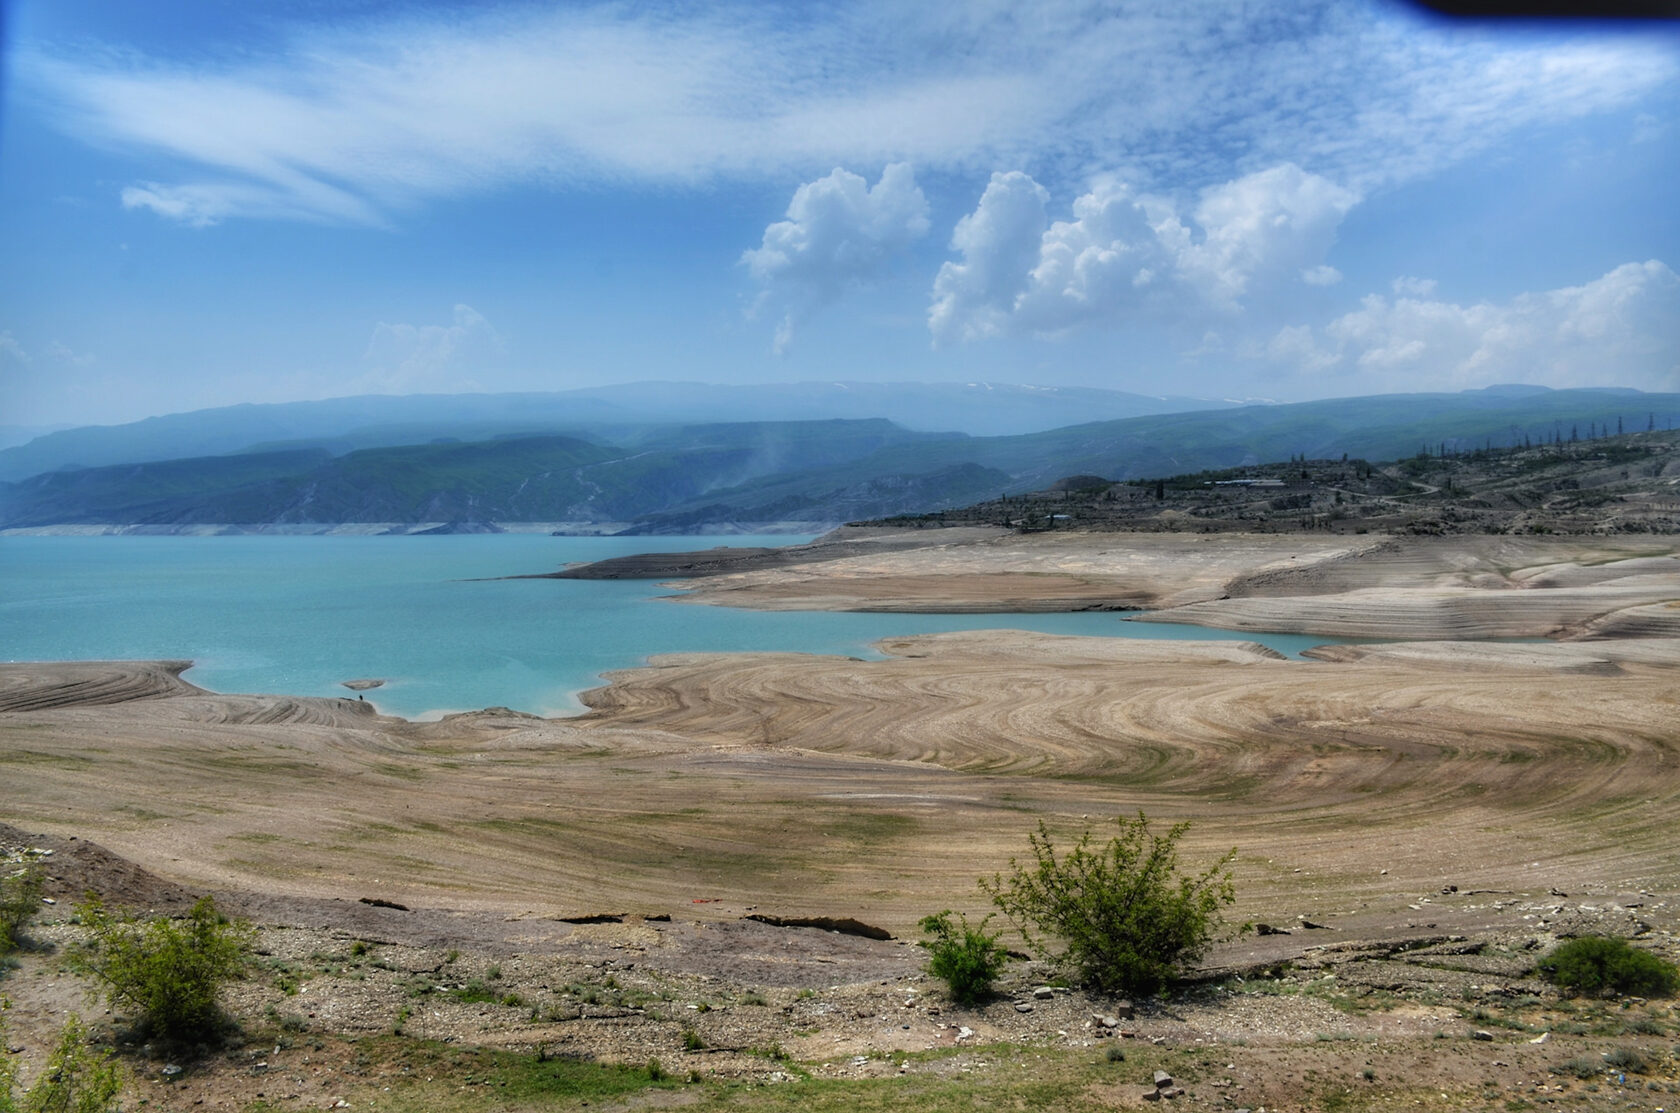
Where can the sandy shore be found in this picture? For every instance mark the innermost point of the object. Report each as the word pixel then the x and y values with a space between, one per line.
pixel 808 785
pixel 1361 587
pixel 814 785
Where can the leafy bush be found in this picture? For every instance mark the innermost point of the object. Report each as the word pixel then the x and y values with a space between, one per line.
pixel 74 1079
pixel 968 959
pixel 20 896
pixel 171 971
pixel 1127 920
pixel 1595 964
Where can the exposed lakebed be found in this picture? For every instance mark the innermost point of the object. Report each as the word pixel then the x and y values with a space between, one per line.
pixel 429 616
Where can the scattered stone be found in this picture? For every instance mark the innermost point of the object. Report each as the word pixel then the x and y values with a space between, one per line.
pixel 1043 993
pixel 1268 929
pixel 593 918
pixel 1163 1080
pixel 1311 926
pixel 1023 1007
pixel 1541 1038
pixel 1482 1035
pixel 378 902
pixel 171 1070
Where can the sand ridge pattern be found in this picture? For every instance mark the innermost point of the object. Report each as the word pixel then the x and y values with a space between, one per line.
pixel 46 685
pixel 816 786
pixel 807 785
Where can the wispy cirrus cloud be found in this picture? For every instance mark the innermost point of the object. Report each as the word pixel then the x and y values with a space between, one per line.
pixel 356 123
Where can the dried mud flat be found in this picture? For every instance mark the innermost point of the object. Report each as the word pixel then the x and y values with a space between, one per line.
pixel 1427 802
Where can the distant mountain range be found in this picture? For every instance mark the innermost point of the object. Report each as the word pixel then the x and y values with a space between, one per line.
pixel 615 413
pixel 487 466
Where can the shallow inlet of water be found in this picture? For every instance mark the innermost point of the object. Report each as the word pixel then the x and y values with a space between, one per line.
pixel 301 615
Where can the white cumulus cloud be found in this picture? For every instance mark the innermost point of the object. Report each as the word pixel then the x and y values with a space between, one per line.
pixel 1000 243
pixel 1622 328
pixel 839 233
pixel 1276 221
pixel 404 358
pixel 1124 252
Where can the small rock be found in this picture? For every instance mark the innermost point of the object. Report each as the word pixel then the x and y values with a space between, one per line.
pixel 1023 1007
pixel 964 1032
pixel 1163 1080
pixel 1124 1010
pixel 1268 929
pixel 170 1070
pixel 1108 1021
pixel 1541 1038
pixel 1483 1036
pixel 1151 1095
pixel 1044 993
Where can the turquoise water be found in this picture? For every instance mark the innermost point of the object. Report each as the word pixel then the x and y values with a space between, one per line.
pixel 299 615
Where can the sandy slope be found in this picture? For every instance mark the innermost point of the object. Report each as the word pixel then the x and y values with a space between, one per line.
pixel 1447 587
pixel 880 789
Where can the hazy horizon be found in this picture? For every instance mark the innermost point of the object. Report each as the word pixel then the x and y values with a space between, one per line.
pixel 206 204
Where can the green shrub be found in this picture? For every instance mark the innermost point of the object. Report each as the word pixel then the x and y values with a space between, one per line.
pixel 1595 964
pixel 74 1079
pixel 1128 922
pixel 20 896
pixel 968 959
pixel 1582 1067
pixel 171 971
pixel 1630 1059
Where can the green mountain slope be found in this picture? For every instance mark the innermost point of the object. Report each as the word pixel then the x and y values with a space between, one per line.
pixel 513 479
pixel 702 476
pixel 615 414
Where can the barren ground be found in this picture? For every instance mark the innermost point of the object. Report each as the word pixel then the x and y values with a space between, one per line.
pixel 1399 794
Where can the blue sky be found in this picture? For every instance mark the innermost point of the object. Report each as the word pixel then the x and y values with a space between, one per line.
pixel 205 202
